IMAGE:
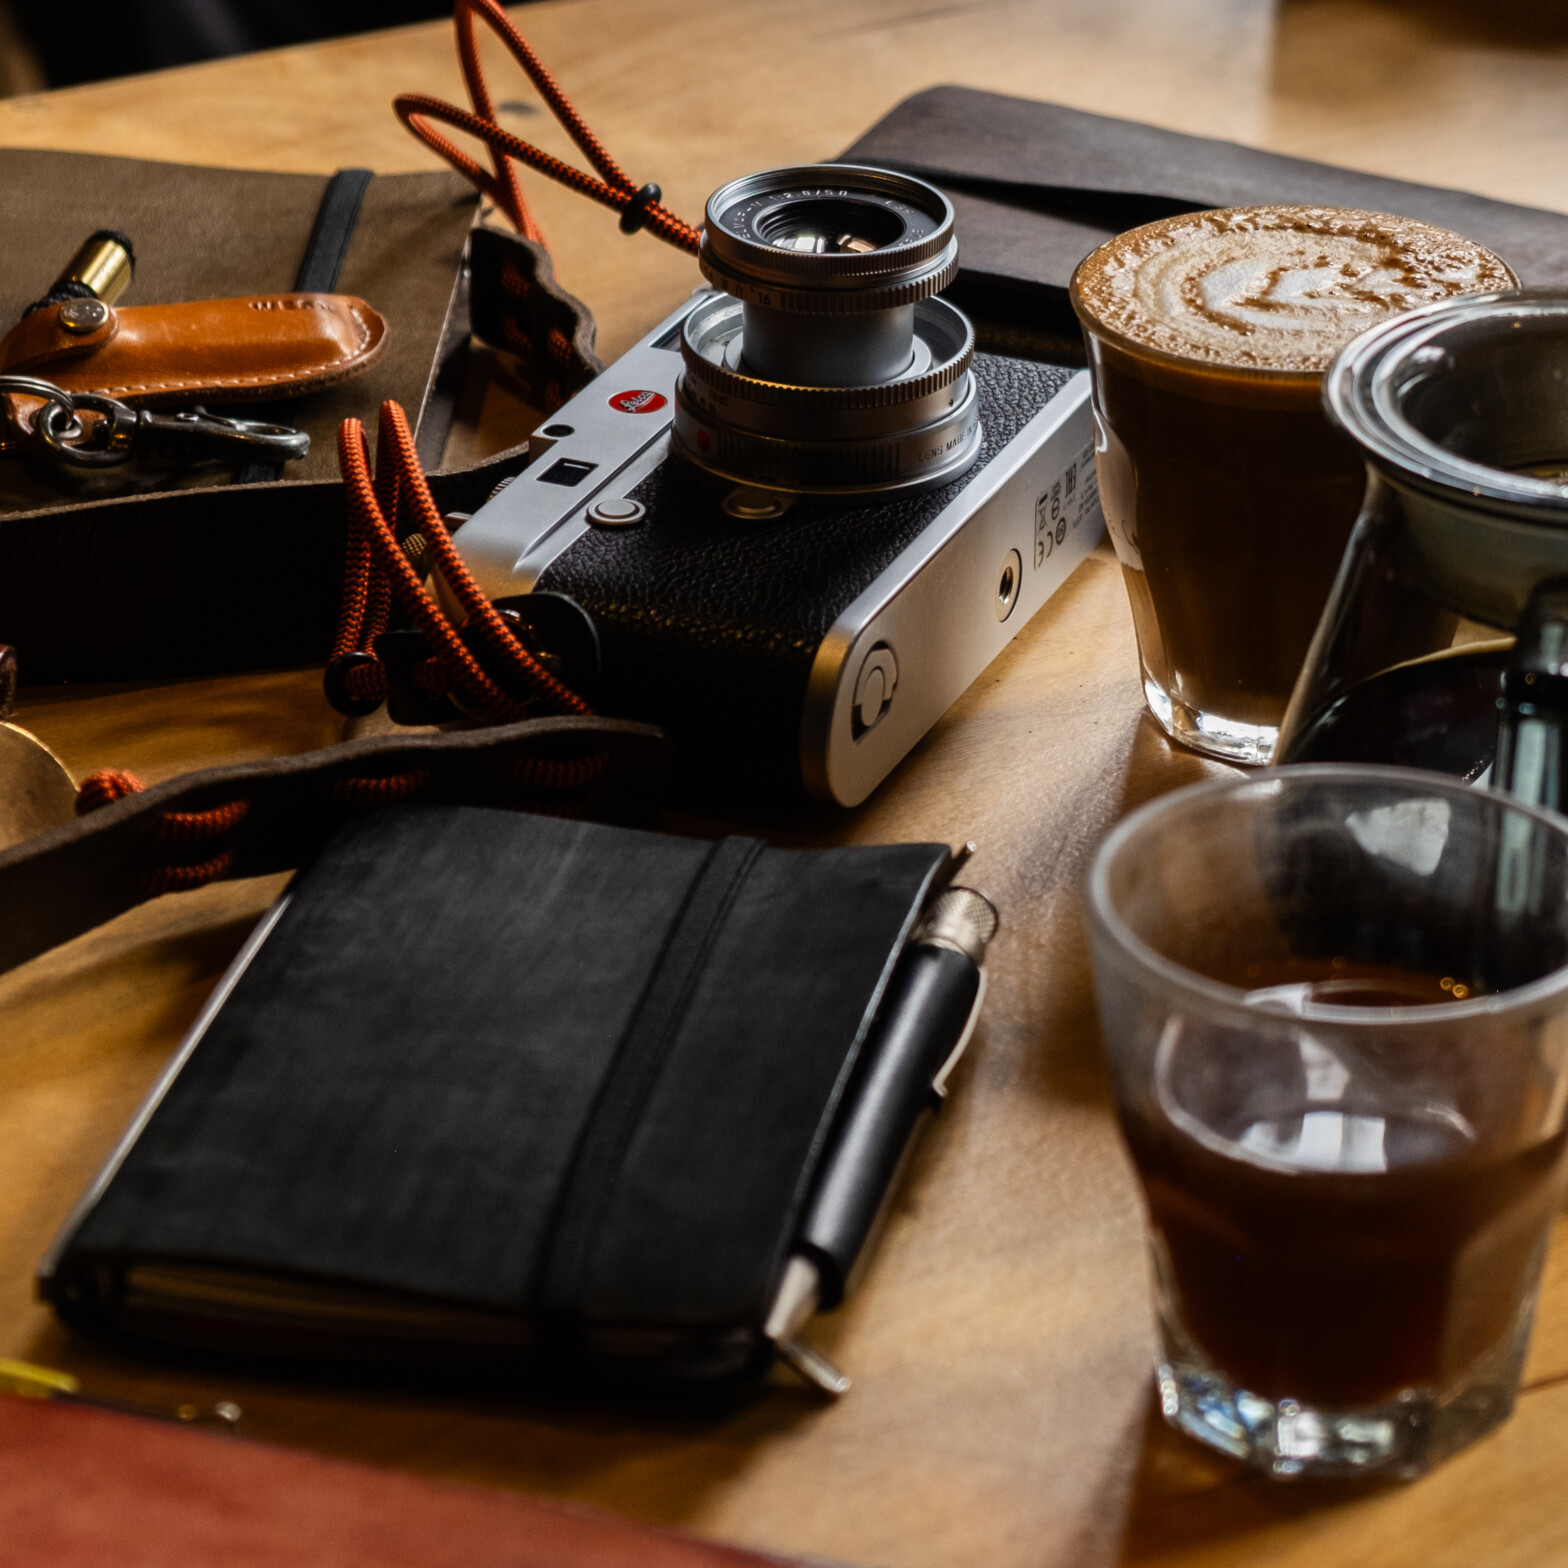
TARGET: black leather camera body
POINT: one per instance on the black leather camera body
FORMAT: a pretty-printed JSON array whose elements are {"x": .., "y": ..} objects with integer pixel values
[{"x": 797, "y": 573}]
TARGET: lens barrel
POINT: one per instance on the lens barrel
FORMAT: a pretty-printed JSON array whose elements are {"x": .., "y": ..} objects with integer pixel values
[{"x": 831, "y": 369}]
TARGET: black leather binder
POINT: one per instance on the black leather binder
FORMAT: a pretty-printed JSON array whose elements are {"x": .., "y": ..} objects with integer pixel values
[
  {"x": 1037, "y": 186},
  {"x": 499, "y": 1087}
]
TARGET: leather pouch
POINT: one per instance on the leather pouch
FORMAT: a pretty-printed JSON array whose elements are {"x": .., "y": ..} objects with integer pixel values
[{"x": 510, "y": 1090}]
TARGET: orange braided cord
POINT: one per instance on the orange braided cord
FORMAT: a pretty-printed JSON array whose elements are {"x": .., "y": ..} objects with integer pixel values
[
  {"x": 440, "y": 549},
  {"x": 387, "y": 790},
  {"x": 518, "y": 339},
  {"x": 105, "y": 787},
  {"x": 357, "y": 571},
  {"x": 463, "y": 15},
  {"x": 189, "y": 827},
  {"x": 541, "y": 773},
  {"x": 509, "y": 194},
  {"x": 177, "y": 879},
  {"x": 614, "y": 189},
  {"x": 366, "y": 514},
  {"x": 400, "y": 482},
  {"x": 367, "y": 682}
]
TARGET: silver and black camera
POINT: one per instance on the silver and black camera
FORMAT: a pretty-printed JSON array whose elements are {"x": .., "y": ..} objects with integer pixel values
[{"x": 804, "y": 512}]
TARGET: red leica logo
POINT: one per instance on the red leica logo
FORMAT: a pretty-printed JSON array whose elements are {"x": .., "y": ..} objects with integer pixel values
[{"x": 638, "y": 402}]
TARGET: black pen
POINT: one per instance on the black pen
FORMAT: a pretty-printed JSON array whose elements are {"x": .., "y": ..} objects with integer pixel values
[{"x": 922, "y": 1028}]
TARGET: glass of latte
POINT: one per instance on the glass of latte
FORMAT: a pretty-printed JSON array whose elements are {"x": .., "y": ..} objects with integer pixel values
[{"x": 1228, "y": 497}]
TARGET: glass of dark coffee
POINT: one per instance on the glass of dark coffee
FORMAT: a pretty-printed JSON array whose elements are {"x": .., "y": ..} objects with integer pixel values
[
  {"x": 1335, "y": 1004},
  {"x": 1226, "y": 493}
]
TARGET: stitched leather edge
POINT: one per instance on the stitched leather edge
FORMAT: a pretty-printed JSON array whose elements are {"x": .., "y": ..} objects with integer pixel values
[
  {"x": 371, "y": 330},
  {"x": 371, "y": 340}
]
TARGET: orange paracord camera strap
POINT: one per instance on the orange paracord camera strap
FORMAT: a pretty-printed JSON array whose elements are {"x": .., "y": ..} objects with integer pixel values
[{"x": 510, "y": 683}]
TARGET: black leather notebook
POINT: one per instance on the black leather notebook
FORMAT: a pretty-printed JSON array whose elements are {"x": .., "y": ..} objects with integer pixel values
[{"x": 486, "y": 1082}]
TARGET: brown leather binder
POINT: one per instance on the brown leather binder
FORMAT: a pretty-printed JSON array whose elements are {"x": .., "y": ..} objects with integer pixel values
[{"x": 91, "y": 1489}]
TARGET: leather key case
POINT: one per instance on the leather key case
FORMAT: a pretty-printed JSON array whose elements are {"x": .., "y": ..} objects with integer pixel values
[{"x": 228, "y": 350}]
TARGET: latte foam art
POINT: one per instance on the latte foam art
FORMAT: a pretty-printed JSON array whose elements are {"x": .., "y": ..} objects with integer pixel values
[{"x": 1275, "y": 288}]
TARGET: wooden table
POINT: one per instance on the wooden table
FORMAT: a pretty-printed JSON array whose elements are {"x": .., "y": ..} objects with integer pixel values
[{"x": 1001, "y": 1412}]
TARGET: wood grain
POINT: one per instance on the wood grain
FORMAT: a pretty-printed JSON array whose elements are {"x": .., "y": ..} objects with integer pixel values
[{"x": 1000, "y": 1347}]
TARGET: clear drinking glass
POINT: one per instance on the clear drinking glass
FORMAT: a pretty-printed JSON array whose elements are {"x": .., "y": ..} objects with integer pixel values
[
  {"x": 1227, "y": 494},
  {"x": 1336, "y": 1011}
]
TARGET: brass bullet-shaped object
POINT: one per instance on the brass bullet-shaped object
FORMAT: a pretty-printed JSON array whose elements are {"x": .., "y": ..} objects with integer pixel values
[{"x": 103, "y": 266}]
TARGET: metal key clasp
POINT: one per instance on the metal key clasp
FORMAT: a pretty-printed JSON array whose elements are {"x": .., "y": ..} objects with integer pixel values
[
  {"x": 195, "y": 436},
  {"x": 121, "y": 433}
]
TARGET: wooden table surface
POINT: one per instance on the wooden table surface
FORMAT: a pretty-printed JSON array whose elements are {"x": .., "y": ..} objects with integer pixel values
[{"x": 1001, "y": 1412}]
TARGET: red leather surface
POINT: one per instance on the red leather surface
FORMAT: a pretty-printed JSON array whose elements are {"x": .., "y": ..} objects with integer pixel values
[{"x": 83, "y": 1488}]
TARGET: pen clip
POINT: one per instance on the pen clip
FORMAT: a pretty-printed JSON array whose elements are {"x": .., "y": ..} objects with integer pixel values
[{"x": 939, "y": 1082}]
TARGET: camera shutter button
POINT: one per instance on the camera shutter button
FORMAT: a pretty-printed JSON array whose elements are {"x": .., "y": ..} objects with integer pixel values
[
  {"x": 622, "y": 512},
  {"x": 874, "y": 688}
]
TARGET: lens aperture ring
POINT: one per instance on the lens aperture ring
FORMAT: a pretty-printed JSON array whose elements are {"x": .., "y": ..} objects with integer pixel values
[{"x": 852, "y": 297}]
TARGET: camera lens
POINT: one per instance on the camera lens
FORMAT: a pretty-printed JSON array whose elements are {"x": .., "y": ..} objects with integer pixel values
[
  {"x": 832, "y": 367},
  {"x": 825, "y": 226},
  {"x": 829, "y": 238}
]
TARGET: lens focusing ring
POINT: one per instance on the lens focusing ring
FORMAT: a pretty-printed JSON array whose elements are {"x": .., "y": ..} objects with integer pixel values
[
  {"x": 900, "y": 242},
  {"x": 946, "y": 332},
  {"x": 907, "y": 434},
  {"x": 898, "y": 462}
]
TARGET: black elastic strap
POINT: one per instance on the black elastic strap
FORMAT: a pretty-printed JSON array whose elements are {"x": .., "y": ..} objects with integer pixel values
[
  {"x": 322, "y": 264},
  {"x": 336, "y": 219},
  {"x": 627, "y": 1086}
]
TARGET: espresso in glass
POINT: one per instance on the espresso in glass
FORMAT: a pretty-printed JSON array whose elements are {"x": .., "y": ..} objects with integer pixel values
[
  {"x": 1334, "y": 1002},
  {"x": 1226, "y": 493}
]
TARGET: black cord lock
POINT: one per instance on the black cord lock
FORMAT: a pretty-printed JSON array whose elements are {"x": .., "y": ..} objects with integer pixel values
[
  {"x": 334, "y": 683},
  {"x": 636, "y": 212}
]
